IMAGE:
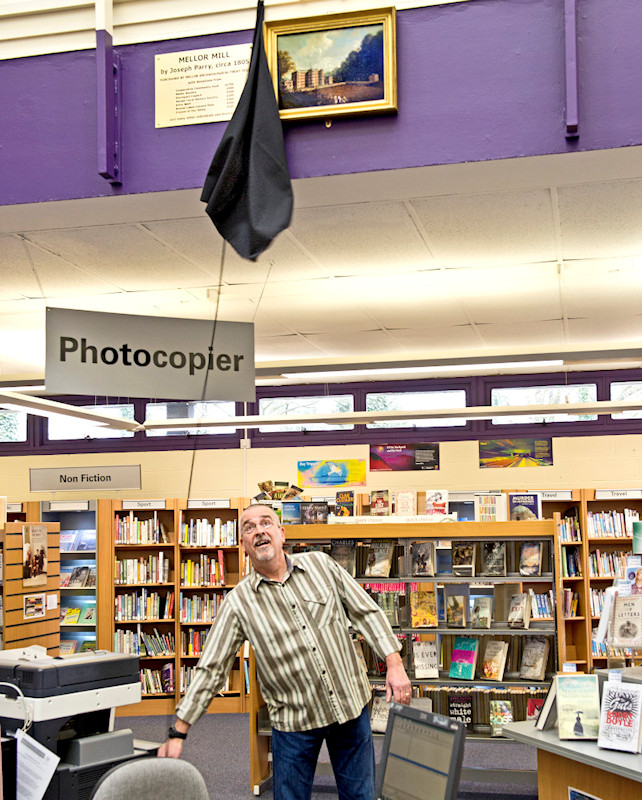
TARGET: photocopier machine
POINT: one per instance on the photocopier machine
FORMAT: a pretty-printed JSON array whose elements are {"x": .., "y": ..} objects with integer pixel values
[{"x": 70, "y": 701}]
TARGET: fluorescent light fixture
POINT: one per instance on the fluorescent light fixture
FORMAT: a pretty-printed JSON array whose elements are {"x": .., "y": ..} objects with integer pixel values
[
  {"x": 365, "y": 372},
  {"x": 22, "y": 386},
  {"x": 15, "y": 401}
]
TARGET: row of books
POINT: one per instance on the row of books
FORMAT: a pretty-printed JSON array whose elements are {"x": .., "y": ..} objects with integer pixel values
[
  {"x": 132, "y": 530},
  {"x": 570, "y": 603},
  {"x": 78, "y": 615},
  {"x": 144, "y": 605},
  {"x": 569, "y": 529},
  {"x": 573, "y": 703},
  {"x": 514, "y": 659},
  {"x": 200, "y": 607},
  {"x": 611, "y": 524},
  {"x": 81, "y": 541},
  {"x": 143, "y": 644},
  {"x": 187, "y": 675},
  {"x": 205, "y": 533},
  {"x": 606, "y": 565},
  {"x": 571, "y": 562},
  {"x": 209, "y": 570},
  {"x": 464, "y": 657},
  {"x": 193, "y": 641},
  {"x": 69, "y": 646},
  {"x": 158, "y": 681},
  {"x": 151, "y": 568},
  {"x": 77, "y": 577},
  {"x": 597, "y": 602}
]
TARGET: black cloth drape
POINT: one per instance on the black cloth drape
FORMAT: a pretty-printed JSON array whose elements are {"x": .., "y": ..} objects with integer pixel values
[{"x": 247, "y": 189}]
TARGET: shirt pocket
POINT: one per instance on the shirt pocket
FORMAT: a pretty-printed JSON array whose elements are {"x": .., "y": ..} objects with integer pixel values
[{"x": 321, "y": 605}]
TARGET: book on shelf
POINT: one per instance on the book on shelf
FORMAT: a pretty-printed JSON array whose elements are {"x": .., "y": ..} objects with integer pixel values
[
  {"x": 380, "y": 502},
  {"x": 78, "y": 577},
  {"x": 423, "y": 608},
  {"x": 534, "y": 658},
  {"x": 436, "y": 503},
  {"x": 291, "y": 512},
  {"x": 406, "y": 503},
  {"x": 493, "y": 557},
  {"x": 456, "y": 611},
  {"x": 425, "y": 657},
  {"x": 85, "y": 540},
  {"x": 65, "y": 576},
  {"x": 533, "y": 708},
  {"x": 548, "y": 715},
  {"x": 494, "y": 660},
  {"x": 490, "y": 507},
  {"x": 620, "y": 727},
  {"x": 72, "y": 615},
  {"x": 344, "y": 552},
  {"x": 460, "y": 707},
  {"x": 91, "y": 578},
  {"x": 67, "y": 539},
  {"x": 482, "y": 612},
  {"x": 524, "y": 506},
  {"x": 464, "y": 658},
  {"x": 314, "y": 513},
  {"x": 530, "y": 559},
  {"x": 501, "y": 713},
  {"x": 578, "y": 706},
  {"x": 463, "y": 559},
  {"x": 422, "y": 557},
  {"x": 519, "y": 613},
  {"x": 344, "y": 504},
  {"x": 379, "y": 559},
  {"x": 379, "y": 714},
  {"x": 68, "y": 646},
  {"x": 87, "y": 615},
  {"x": 627, "y": 621}
]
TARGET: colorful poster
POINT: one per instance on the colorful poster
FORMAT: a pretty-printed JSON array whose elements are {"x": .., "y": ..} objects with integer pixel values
[
  {"x": 498, "y": 453},
  {"x": 33, "y": 606},
  {"x": 404, "y": 457},
  {"x": 34, "y": 555},
  {"x": 334, "y": 474}
]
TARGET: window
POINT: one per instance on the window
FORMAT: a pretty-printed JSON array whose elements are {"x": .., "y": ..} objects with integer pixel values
[
  {"x": 414, "y": 401},
  {"x": 321, "y": 406},
  {"x": 13, "y": 426},
  {"x": 531, "y": 395},
  {"x": 195, "y": 410},
  {"x": 60, "y": 427},
  {"x": 626, "y": 390}
]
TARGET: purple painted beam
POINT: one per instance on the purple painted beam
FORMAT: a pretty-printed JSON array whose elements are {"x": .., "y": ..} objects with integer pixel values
[
  {"x": 570, "y": 49},
  {"x": 108, "y": 108}
]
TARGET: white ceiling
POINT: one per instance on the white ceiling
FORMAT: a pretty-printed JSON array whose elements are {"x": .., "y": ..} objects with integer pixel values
[{"x": 521, "y": 255}]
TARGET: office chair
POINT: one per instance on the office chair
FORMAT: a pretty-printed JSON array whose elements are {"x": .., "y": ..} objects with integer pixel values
[{"x": 152, "y": 779}]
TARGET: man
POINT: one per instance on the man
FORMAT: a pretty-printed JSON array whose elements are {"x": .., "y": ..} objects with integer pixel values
[{"x": 295, "y": 610}]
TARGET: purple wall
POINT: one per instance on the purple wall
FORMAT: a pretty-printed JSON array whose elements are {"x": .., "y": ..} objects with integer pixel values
[{"x": 477, "y": 81}]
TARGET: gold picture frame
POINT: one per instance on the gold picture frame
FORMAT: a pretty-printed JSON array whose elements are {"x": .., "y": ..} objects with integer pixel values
[{"x": 334, "y": 65}]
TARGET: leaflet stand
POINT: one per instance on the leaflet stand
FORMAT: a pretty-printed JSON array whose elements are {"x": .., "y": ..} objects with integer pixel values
[{"x": 617, "y": 655}]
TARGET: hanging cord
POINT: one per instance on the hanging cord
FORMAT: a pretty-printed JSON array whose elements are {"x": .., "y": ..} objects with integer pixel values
[
  {"x": 28, "y": 711},
  {"x": 204, "y": 392}
]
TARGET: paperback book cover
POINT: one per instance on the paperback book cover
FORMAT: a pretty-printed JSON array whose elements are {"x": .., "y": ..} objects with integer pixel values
[
  {"x": 530, "y": 559},
  {"x": 65, "y": 576},
  {"x": 290, "y": 513},
  {"x": 87, "y": 615},
  {"x": 425, "y": 656},
  {"x": 379, "y": 714},
  {"x": 463, "y": 559},
  {"x": 314, "y": 513},
  {"x": 620, "y": 717},
  {"x": 464, "y": 658},
  {"x": 85, "y": 540},
  {"x": 501, "y": 713},
  {"x": 67, "y": 539},
  {"x": 456, "y": 611},
  {"x": 533, "y": 708},
  {"x": 490, "y": 507},
  {"x": 344, "y": 552},
  {"x": 423, "y": 609},
  {"x": 72, "y": 615},
  {"x": 344, "y": 505},
  {"x": 379, "y": 559},
  {"x": 91, "y": 578},
  {"x": 406, "y": 503},
  {"x": 627, "y": 621},
  {"x": 534, "y": 658},
  {"x": 422, "y": 555},
  {"x": 436, "y": 502},
  {"x": 380, "y": 502},
  {"x": 460, "y": 707},
  {"x": 519, "y": 613},
  {"x": 494, "y": 660},
  {"x": 78, "y": 577},
  {"x": 494, "y": 559},
  {"x": 548, "y": 715},
  {"x": 524, "y": 505},
  {"x": 482, "y": 612},
  {"x": 578, "y": 706},
  {"x": 67, "y": 647}
]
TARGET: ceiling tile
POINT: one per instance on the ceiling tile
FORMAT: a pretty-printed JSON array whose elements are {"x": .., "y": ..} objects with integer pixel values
[{"x": 531, "y": 335}]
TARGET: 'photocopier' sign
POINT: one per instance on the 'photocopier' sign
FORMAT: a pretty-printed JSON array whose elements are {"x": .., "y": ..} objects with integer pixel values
[{"x": 133, "y": 356}]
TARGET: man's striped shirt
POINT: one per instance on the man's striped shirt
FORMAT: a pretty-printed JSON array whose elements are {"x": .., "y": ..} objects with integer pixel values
[{"x": 308, "y": 669}]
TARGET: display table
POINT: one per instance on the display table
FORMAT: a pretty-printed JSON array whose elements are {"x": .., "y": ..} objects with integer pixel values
[{"x": 606, "y": 774}]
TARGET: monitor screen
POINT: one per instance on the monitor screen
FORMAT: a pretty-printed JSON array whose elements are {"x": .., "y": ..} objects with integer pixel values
[{"x": 422, "y": 756}]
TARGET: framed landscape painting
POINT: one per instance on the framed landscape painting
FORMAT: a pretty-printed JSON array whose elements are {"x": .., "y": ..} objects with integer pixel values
[{"x": 338, "y": 64}]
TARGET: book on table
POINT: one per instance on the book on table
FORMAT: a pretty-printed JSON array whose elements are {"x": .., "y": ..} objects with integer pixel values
[
  {"x": 627, "y": 621},
  {"x": 620, "y": 727},
  {"x": 578, "y": 706},
  {"x": 464, "y": 658},
  {"x": 548, "y": 715}
]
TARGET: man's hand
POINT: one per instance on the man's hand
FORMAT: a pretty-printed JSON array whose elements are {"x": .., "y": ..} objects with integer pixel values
[
  {"x": 173, "y": 747},
  {"x": 398, "y": 686}
]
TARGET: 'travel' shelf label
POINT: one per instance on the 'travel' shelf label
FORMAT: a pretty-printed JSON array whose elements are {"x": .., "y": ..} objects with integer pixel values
[
  {"x": 557, "y": 494},
  {"x": 618, "y": 494}
]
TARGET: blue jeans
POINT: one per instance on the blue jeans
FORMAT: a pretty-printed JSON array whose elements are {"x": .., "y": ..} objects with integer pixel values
[{"x": 295, "y": 754}]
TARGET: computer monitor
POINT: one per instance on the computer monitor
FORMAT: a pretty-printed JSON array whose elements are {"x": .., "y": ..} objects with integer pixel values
[{"x": 421, "y": 757}]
